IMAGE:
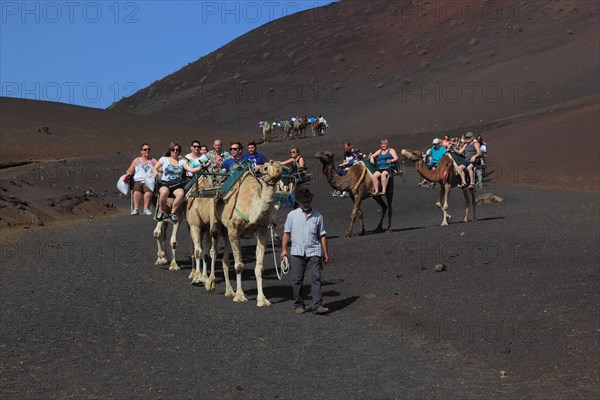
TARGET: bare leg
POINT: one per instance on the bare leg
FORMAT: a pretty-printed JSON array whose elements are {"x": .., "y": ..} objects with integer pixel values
[
  {"x": 179, "y": 194},
  {"x": 137, "y": 196},
  {"x": 147, "y": 199},
  {"x": 384, "y": 180},
  {"x": 162, "y": 200},
  {"x": 375, "y": 179}
]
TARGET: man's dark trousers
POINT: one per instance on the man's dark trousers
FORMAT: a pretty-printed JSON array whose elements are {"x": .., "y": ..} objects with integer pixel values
[{"x": 300, "y": 265}]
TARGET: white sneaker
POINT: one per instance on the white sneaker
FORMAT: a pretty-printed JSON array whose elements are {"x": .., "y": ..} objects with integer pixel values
[
  {"x": 147, "y": 211},
  {"x": 135, "y": 212}
]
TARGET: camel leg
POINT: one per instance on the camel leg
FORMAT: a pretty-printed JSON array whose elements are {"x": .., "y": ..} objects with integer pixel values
[
  {"x": 384, "y": 208},
  {"x": 160, "y": 234},
  {"x": 466, "y": 194},
  {"x": 261, "y": 244},
  {"x": 205, "y": 254},
  {"x": 362, "y": 222},
  {"x": 389, "y": 197},
  {"x": 355, "y": 210},
  {"x": 196, "y": 274},
  {"x": 239, "y": 267},
  {"x": 173, "y": 265},
  {"x": 447, "y": 188},
  {"x": 209, "y": 281},
  {"x": 473, "y": 203},
  {"x": 438, "y": 204},
  {"x": 228, "y": 288}
]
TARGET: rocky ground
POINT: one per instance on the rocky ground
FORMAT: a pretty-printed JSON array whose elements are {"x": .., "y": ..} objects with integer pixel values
[{"x": 85, "y": 313}]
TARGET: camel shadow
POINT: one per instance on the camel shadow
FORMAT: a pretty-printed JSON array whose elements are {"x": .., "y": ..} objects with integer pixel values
[
  {"x": 489, "y": 218},
  {"x": 478, "y": 220},
  {"x": 383, "y": 231}
]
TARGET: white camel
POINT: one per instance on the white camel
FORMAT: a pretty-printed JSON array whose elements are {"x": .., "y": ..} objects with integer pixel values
[
  {"x": 160, "y": 234},
  {"x": 246, "y": 209},
  {"x": 198, "y": 218}
]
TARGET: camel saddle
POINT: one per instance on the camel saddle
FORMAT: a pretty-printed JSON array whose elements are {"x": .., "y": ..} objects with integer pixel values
[{"x": 223, "y": 183}]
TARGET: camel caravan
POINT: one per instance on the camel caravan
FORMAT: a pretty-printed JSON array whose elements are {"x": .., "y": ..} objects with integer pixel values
[
  {"x": 242, "y": 202},
  {"x": 295, "y": 127}
]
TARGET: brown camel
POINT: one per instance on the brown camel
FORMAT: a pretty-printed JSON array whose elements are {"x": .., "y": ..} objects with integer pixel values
[
  {"x": 315, "y": 128},
  {"x": 359, "y": 186},
  {"x": 246, "y": 209},
  {"x": 287, "y": 128},
  {"x": 300, "y": 127},
  {"x": 447, "y": 176}
]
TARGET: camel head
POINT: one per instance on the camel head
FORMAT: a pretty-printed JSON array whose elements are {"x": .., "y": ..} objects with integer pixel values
[
  {"x": 326, "y": 157},
  {"x": 271, "y": 172},
  {"x": 413, "y": 155}
]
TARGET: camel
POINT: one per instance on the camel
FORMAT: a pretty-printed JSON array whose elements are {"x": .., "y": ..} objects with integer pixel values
[
  {"x": 266, "y": 131},
  {"x": 160, "y": 234},
  {"x": 316, "y": 128},
  {"x": 246, "y": 209},
  {"x": 198, "y": 218},
  {"x": 359, "y": 187},
  {"x": 447, "y": 176},
  {"x": 300, "y": 127},
  {"x": 287, "y": 128}
]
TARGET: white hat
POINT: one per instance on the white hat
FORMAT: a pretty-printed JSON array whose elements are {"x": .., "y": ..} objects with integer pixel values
[{"x": 436, "y": 141}]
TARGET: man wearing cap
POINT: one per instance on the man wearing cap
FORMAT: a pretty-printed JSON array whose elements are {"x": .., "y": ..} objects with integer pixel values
[
  {"x": 304, "y": 227},
  {"x": 472, "y": 153},
  {"x": 436, "y": 153}
]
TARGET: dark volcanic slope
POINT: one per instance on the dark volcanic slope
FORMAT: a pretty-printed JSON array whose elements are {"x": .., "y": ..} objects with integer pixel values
[{"x": 383, "y": 65}]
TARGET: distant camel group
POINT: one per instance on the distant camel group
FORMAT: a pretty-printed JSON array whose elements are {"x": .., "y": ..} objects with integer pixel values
[{"x": 296, "y": 127}]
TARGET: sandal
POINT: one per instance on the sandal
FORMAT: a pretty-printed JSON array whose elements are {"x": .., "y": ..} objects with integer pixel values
[
  {"x": 471, "y": 186},
  {"x": 462, "y": 185}
]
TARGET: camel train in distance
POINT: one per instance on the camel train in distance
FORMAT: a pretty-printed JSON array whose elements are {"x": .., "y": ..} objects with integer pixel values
[
  {"x": 248, "y": 208},
  {"x": 295, "y": 127}
]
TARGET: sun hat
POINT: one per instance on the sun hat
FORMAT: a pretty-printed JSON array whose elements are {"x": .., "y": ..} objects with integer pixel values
[
  {"x": 436, "y": 141},
  {"x": 469, "y": 134},
  {"x": 304, "y": 195}
]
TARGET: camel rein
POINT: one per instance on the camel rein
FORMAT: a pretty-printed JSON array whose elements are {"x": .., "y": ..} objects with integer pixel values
[
  {"x": 362, "y": 175},
  {"x": 285, "y": 265}
]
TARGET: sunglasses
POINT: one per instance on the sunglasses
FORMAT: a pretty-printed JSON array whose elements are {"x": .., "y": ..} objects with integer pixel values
[
  {"x": 177, "y": 150},
  {"x": 147, "y": 149},
  {"x": 234, "y": 148},
  {"x": 195, "y": 146}
]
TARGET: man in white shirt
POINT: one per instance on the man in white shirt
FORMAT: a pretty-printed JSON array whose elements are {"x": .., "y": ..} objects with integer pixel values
[{"x": 304, "y": 227}]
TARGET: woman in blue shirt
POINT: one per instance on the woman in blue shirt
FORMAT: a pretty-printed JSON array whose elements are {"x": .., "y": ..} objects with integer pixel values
[{"x": 384, "y": 159}]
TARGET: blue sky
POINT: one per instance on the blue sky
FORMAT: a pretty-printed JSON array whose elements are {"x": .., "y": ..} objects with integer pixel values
[{"x": 92, "y": 53}]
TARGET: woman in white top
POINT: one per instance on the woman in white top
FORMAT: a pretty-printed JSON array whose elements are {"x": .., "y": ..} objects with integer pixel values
[
  {"x": 195, "y": 157},
  {"x": 141, "y": 169},
  {"x": 172, "y": 180}
]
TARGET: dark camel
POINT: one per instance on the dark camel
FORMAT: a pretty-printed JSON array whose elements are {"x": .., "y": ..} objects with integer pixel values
[
  {"x": 359, "y": 186},
  {"x": 447, "y": 176}
]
